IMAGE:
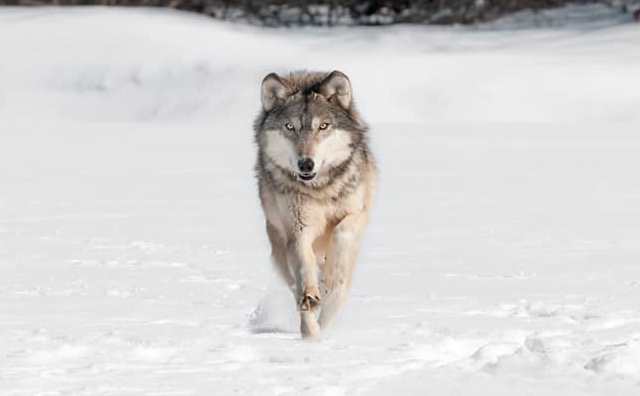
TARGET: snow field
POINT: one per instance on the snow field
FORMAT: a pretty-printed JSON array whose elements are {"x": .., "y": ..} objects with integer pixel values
[{"x": 502, "y": 257}]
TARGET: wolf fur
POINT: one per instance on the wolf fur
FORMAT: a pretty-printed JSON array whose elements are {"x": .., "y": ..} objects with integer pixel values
[{"x": 315, "y": 218}]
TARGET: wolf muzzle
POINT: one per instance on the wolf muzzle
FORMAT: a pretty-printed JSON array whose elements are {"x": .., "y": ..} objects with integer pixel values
[{"x": 306, "y": 165}]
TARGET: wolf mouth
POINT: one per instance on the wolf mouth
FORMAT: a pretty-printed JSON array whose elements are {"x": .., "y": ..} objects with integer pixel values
[{"x": 306, "y": 176}]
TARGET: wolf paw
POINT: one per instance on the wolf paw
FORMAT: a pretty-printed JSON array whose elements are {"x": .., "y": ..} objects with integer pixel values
[{"x": 310, "y": 298}]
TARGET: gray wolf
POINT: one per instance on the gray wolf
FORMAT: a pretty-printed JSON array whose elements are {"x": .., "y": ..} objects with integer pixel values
[{"x": 316, "y": 180}]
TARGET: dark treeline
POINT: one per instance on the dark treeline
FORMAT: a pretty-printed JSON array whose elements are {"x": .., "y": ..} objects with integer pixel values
[{"x": 341, "y": 12}]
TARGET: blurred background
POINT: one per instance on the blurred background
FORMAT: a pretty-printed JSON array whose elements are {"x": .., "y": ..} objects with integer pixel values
[{"x": 350, "y": 12}]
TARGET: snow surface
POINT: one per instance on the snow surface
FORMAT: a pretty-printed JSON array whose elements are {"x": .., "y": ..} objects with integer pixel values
[{"x": 503, "y": 257}]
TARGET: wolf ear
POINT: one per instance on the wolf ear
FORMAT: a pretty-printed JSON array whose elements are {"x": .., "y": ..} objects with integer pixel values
[
  {"x": 273, "y": 91},
  {"x": 337, "y": 86}
]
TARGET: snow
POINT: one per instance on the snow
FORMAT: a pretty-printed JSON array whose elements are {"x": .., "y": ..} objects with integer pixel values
[{"x": 502, "y": 257}]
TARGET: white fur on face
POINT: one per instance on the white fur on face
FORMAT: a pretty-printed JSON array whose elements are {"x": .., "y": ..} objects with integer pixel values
[
  {"x": 280, "y": 149},
  {"x": 333, "y": 150}
]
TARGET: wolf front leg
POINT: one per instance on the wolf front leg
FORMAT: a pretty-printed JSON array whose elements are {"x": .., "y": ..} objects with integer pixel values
[
  {"x": 340, "y": 264},
  {"x": 301, "y": 253},
  {"x": 279, "y": 256}
]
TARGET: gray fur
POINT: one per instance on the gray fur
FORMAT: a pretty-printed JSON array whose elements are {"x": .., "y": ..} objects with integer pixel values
[
  {"x": 314, "y": 225},
  {"x": 299, "y": 96}
]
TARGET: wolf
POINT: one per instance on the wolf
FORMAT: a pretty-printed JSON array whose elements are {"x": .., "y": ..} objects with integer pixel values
[{"x": 316, "y": 181}]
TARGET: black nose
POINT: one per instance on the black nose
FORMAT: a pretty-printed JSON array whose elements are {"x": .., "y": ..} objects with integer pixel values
[{"x": 305, "y": 165}]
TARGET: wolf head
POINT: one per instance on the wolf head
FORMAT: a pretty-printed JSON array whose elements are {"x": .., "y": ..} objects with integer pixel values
[{"x": 308, "y": 127}]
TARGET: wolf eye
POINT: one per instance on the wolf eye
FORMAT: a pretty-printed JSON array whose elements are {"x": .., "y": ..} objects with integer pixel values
[
  {"x": 324, "y": 126},
  {"x": 289, "y": 126}
]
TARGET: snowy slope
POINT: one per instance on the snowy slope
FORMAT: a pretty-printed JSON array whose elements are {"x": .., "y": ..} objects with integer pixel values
[{"x": 503, "y": 255}]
